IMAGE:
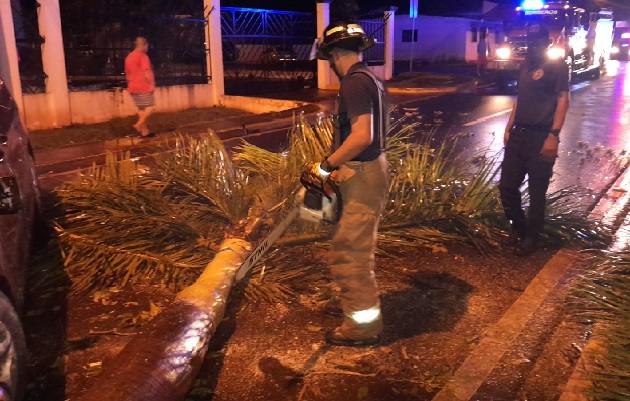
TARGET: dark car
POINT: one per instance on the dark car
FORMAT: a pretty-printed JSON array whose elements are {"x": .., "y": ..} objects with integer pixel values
[
  {"x": 621, "y": 46},
  {"x": 19, "y": 205},
  {"x": 275, "y": 54}
]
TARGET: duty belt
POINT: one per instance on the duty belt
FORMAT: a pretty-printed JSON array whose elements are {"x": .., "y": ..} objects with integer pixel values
[{"x": 522, "y": 128}]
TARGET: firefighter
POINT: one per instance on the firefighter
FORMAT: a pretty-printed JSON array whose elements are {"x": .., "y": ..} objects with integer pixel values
[
  {"x": 531, "y": 139},
  {"x": 360, "y": 168}
]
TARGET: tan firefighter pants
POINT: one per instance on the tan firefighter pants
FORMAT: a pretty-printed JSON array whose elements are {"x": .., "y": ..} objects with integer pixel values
[{"x": 364, "y": 191}]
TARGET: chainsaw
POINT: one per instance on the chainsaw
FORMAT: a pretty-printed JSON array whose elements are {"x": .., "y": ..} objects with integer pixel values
[{"x": 314, "y": 203}]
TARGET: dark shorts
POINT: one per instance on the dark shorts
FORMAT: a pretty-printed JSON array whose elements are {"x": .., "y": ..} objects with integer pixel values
[{"x": 143, "y": 100}]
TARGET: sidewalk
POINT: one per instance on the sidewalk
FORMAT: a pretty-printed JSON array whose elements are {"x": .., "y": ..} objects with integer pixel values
[{"x": 414, "y": 84}]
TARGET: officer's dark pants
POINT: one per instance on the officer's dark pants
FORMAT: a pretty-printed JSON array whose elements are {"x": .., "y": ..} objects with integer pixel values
[{"x": 522, "y": 157}]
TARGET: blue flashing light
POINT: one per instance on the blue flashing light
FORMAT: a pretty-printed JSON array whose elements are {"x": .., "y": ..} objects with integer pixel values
[
  {"x": 262, "y": 10},
  {"x": 532, "y": 5}
]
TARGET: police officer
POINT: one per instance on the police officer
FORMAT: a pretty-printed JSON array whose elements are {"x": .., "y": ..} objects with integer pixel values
[
  {"x": 532, "y": 137},
  {"x": 362, "y": 173}
]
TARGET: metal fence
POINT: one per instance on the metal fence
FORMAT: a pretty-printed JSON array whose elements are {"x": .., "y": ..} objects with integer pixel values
[
  {"x": 28, "y": 43},
  {"x": 374, "y": 24},
  {"x": 98, "y": 35},
  {"x": 258, "y": 45},
  {"x": 267, "y": 45}
]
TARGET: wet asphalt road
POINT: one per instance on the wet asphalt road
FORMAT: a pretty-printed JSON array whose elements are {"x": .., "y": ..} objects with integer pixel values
[
  {"x": 596, "y": 131},
  {"x": 595, "y": 134}
]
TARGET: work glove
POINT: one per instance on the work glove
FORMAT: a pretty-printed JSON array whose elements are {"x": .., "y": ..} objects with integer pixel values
[{"x": 314, "y": 175}]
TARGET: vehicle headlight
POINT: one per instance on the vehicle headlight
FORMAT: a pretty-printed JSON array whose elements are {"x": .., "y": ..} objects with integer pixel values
[
  {"x": 614, "y": 50},
  {"x": 504, "y": 53},
  {"x": 555, "y": 53}
]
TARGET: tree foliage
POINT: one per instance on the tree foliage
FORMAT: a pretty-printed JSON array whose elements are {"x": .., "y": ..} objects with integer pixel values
[{"x": 127, "y": 222}]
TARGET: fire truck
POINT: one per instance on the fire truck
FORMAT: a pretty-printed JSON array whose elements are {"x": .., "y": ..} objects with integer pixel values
[{"x": 582, "y": 39}]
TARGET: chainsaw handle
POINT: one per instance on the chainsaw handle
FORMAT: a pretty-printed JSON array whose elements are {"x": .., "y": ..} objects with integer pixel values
[
  {"x": 321, "y": 189},
  {"x": 333, "y": 185}
]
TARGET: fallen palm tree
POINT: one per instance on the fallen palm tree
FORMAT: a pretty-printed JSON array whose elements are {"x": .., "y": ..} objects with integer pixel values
[{"x": 127, "y": 223}]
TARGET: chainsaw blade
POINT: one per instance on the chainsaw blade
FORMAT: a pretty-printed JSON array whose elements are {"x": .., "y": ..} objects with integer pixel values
[{"x": 266, "y": 243}]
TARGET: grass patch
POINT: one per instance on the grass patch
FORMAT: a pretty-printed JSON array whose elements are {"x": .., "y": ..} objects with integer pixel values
[
  {"x": 602, "y": 297},
  {"x": 122, "y": 127}
]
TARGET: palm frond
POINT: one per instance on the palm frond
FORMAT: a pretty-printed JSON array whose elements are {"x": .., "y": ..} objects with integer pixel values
[
  {"x": 123, "y": 224},
  {"x": 602, "y": 296},
  {"x": 202, "y": 168},
  {"x": 126, "y": 222},
  {"x": 276, "y": 175}
]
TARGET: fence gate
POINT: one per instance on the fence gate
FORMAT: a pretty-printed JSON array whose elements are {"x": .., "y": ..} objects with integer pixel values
[
  {"x": 29, "y": 45},
  {"x": 98, "y": 35},
  {"x": 267, "y": 48},
  {"x": 374, "y": 25}
]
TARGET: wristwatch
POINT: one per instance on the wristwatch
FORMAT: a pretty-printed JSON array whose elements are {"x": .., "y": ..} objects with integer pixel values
[{"x": 555, "y": 132}]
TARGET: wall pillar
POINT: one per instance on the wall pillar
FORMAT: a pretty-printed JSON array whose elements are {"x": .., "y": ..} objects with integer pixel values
[
  {"x": 214, "y": 56},
  {"x": 323, "y": 67},
  {"x": 54, "y": 62},
  {"x": 9, "y": 67},
  {"x": 390, "y": 18}
]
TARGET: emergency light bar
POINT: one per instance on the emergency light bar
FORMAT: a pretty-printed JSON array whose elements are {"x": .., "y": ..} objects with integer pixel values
[{"x": 530, "y": 5}]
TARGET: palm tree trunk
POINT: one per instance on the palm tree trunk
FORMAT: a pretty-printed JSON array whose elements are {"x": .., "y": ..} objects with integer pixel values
[{"x": 161, "y": 362}]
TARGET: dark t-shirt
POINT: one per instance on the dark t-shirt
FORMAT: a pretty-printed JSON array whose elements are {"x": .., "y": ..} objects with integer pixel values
[
  {"x": 358, "y": 95},
  {"x": 538, "y": 90}
]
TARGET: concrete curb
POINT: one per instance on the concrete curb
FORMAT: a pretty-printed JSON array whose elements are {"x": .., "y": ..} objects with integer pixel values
[
  {"x": 225, "y": 129},
  {"x": 579, "y": 383},
  {"x": 220, "y": 127},
  {"x": 466, "y": 86},
  {"x": 272, "y": 119}
]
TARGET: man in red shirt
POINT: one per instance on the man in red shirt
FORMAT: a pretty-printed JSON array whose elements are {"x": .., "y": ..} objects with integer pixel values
[{"x": 141, "y": 84}]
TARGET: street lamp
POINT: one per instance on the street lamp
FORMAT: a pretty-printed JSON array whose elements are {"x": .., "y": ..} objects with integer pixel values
[{"x": 413, "y": 14}]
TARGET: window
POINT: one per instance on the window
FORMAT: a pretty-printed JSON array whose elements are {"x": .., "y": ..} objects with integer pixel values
[{"x": 407, "y": 35}]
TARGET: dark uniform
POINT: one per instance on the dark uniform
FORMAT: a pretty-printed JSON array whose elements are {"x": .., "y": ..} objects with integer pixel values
[{"x": 539, "y": 85}]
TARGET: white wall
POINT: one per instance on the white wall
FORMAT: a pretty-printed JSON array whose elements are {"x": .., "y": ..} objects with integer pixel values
[
  {"x": 380, "y": 71},
  {"x": 439, "y": 38},
  {"x": 100, "y": 106},
  {"x": 471, "y": 47},
  {"x": 259, "y": 105}
]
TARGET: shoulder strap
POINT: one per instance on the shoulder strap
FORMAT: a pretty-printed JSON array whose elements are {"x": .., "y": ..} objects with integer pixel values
[{"x": 380, "y": 122}]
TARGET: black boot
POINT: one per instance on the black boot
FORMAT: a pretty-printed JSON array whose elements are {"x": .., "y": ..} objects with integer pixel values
[
  {"x": 515, "y": 238},
  {"x": 527, "y": 247}
]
